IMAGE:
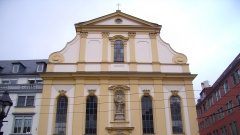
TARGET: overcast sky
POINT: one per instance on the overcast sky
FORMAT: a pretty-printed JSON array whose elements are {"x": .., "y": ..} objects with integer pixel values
[{"x": 206, "y": 31}]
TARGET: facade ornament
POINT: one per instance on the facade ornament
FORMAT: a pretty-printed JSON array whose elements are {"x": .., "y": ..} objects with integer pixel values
[
  {"x": 174, "y": 92},
  {"x": 105, "y": 34},
  {"x": 56, "y": 57},
  {"x": 119, "y": 101},
  {"x": 121, "y": 87},
  {"x": 91, "y": 92},
  {"x": 62, "y": 92},
  {"x": 131, "y": 34},
  {"x": 119, "y": 132},
  {"x": 180, "y": 59},
  {"x": 83, "y": 34},
  {"x": 118, "y": 37},
  {"x": 146, "y": 92},
  {"x": 152, "y": 35}
]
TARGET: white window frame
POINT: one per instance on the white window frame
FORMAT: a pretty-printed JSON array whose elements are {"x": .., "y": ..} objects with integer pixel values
[
  {"x": 225, "y": 87},
  {"x": 23, "y": 118},
  {"x": 40, "y": 67},
  {"x": 229, "y": 106},
  {"x": 25, "y": 100},
  {"x": 210, "y": 102},
  {"x": 218, "y": 95},
  {"x": 15, "y": 68}
]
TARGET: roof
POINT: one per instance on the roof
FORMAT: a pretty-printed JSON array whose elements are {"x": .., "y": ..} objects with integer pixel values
[
  {"x": 30, "y": 66},
  {"x": 83, "y": 26}
]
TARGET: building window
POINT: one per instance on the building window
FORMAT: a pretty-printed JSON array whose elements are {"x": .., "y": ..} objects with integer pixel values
[
  {"x": 217, "y": 95},
  {"x": 9, "y": 81},
  {"x": 207, "y": 122},
  {"x": 40, "y": 67},
  {"x": 61, "y": 115},
  {"x": 230, "y": 108},
  {"x": 234, "y": 128},
  {"x": 15, "y": 68},
  {"x": 224, "y": 130},
  {"x": 147, "y": 115},
  {"x": 236, "y": 77},
  {"x": 176, "y": 115},
  {"x": 213, "y": 118},
  {"x": 209, "y": 134},
  {"x": 204, "y": 107},
  {"x": 35, "y": 81},
  {"x": 25, "y": 100},
  {"x": 238, "y": 100},
  {"x": 199, "y": 111},
  {"x": 225, "y": 87},
  {"x": 215, "y": 132},
  {"x": 220, "y": 113},
  {"x": 202, "y": 125},
  {"x": 22, "y": 124},
  {"x": 210, "y": 101},
  {"x": 91, "y": 115},
  {"x": 118, "y": 51}
]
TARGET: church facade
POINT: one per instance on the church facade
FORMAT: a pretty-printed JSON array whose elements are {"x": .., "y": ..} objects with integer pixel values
[{"x": 117, "y": 77}]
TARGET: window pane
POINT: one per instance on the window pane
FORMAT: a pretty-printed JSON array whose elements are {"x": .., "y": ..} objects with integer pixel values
[
  {"x": 21, "y": 100},
  {"x": 30, "y": 101},
  {"x": 61, "y": 116},
  {"x": 91, "y": 115},
  {"x": 118, "y": 51},
  {"x": 147, "y": 115},
  {"x": 176, "y": 115}
]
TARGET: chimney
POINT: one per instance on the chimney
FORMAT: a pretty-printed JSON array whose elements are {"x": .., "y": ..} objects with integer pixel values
[{"x": 205, "y": 84}]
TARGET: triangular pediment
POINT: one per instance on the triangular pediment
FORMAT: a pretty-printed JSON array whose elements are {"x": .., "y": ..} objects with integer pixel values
[{"x": 117, "y": 18}]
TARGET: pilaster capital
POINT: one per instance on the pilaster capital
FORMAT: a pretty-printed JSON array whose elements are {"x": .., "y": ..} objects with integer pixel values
[
  {"x": 131, "y": 34},
  {"x": 83, "y": 34},
  {"x": 105, "y": 34},
  {"x": 152, "y": 35}
]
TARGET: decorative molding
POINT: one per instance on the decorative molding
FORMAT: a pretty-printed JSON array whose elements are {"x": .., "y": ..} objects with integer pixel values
[
  {"x": 131, "y": 34},
  {"x": 152, "y": 35},
  {"x": 119, "y": 87},
  {"x": 116, "y": 129},
  {"x": 91, "y": 92},
  {"x": 118, "y": 37},
  {"x": 179, "y": 59},
  {"x": 105, "y": 34},
  {"x": 56, "y": 57},
  {"x": 62, "y": 92},
  {"x": 83, "y": 34},
  {"x": 174, "y": 92},
  {"x": 146, "y": 92}
]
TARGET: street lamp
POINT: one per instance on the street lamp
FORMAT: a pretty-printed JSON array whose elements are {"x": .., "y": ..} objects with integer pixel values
[{"x": 5, "y": 104}]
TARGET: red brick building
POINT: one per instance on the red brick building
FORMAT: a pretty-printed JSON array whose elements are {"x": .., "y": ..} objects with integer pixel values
[{"x": 218, "y": 108}]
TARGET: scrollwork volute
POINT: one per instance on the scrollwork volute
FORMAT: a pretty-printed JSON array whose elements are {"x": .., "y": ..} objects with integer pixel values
[
  {"x": 105, "y": 34},
  {"x": 131, "y": 34},
  {"x": 152, "y": 35},
  {"x": 56, "y": 58},
  {"x": 180, "y": 59},
  {"x": 83, "y": 34}
]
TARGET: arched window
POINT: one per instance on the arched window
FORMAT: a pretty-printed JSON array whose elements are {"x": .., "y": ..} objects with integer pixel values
[
  {"x": 147, "y": 115},
  {"x": 118, "y": 51},
  {"x": 91, "y": 115},
  {"x": 176, "y": 115},
  {"x": 61, "y": 115}
]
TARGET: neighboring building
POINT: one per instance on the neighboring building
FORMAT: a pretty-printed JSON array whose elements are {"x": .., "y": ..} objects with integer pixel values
[
  {"x": 219, "y": 107},
  {"x": 117, "y": 77},
  {"x": 21, "y": 79}
]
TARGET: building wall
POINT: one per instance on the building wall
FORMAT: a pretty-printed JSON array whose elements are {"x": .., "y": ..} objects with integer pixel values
[
  {"x": 150, "y": 67},
  {"x": 234, "y": 90}
]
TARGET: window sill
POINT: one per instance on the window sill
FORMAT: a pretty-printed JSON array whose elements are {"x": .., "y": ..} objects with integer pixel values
[
  {"x": 24, "y": 106},
  {"x": 19, "y": 134}
]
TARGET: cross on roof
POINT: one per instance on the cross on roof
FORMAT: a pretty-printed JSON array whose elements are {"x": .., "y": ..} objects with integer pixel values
[{"x": 118, "y": 5}]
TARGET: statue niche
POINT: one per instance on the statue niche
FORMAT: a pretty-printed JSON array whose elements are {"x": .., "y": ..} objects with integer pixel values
[{"x": 119, "y": 101}]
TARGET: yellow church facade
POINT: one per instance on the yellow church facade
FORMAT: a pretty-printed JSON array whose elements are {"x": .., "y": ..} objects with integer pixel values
[{"x": 117, "y": 77}]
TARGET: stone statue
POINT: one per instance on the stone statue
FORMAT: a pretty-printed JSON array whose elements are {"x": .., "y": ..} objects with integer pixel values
[{"x": 119, "y": 103}]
